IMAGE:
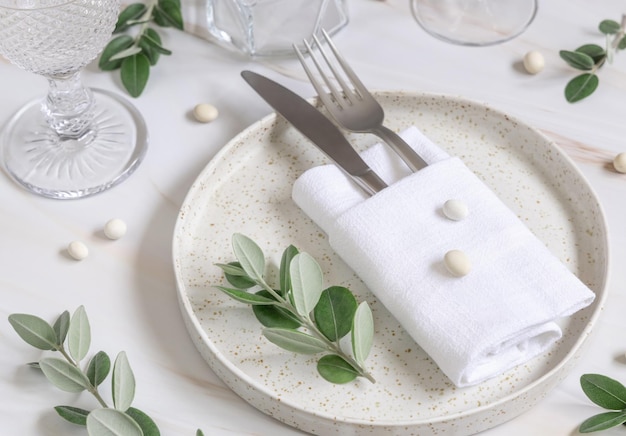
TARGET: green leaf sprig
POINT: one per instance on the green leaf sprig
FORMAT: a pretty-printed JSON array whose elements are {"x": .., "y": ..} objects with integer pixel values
[
  {"x": 301, "y": 316},
  {"x": 135, "y": 55},
  {"x": 591, "y": 57},
  {"x": 607, "y": 393},
  {"x": 71, "y": 337}
]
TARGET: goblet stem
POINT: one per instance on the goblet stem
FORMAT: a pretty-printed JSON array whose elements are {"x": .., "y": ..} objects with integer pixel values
[{"x": 69, "y": 107}]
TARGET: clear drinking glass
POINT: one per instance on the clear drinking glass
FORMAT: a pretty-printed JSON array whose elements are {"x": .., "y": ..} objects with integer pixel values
[
  {"x": 474, "y": 22},
  {"x": 77, "y": 141},
  {"x": 259, "y": 28}
]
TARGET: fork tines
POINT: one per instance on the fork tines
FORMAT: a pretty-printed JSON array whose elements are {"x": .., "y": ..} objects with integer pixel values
[
  {"x": 351, "y": 105},
  {"x": 347, "y": 80}
]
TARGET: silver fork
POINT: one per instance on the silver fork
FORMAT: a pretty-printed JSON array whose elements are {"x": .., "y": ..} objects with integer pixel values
[{"x": 353, "y": 107}]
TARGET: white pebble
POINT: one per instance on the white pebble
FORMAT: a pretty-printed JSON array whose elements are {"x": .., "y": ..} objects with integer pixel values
[
  {"x": 619, "y": 163},
  {"x": 115, "y": 228},
  {"x": 77, "y": 250},
  {"x": 205, "y": 113},
  {"x": 534, "y": 62},
  {"x": 456, "y": 210},
  {"x": 457, "y": 263}
]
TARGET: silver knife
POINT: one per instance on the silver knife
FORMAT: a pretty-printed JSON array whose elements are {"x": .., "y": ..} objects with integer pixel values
[{"x": 319, "y": 129}]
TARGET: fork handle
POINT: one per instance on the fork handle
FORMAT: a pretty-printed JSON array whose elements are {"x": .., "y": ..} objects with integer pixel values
[{"x": 399, "y": 145}]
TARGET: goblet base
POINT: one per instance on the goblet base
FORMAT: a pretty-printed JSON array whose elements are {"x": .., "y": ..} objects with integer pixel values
[{"x": 53, "y": 166}]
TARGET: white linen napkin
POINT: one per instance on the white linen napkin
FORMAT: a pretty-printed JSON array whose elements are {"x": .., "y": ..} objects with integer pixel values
[{"x": 474, "y": 327}]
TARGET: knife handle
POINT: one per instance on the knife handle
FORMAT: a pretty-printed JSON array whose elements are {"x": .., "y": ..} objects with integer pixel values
[{"x": 370, "y": 182}]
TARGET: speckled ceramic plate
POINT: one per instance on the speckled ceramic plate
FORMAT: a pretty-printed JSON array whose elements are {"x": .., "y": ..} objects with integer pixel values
[{"x": 246, "y": 188}]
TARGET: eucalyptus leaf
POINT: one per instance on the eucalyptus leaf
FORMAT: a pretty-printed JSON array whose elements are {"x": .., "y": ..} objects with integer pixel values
[
  {"x": 246, "y": 297},
  {"x": 580, "y": 87},
  {"x": 154, "y": 40},
  {"x": 306, "y": 282},
  {"x": 199, "y": 433},
  {"x": 285, "y": 260},
  {"x": 578, "y": 60},
  {"x": 168, "y": 13},
  {"x": 130, "y": 51},
  {"x": 116, "y": 45},
  {"x": 336, "y": 370},
  {"x": 273, "y": 315},
  {"x": 249, "y": 255},
  {"x": 362, "y": 332},
  {"x": 236, "y": 276},
  {"x": 602, "y": 421},
  {"x": 74, "y": 415},
  {"x": 34, "y": 331},
  {"x": 123, "y": 383},
  {"x": 334, "y": 312},
  {"x": 295, "y": 341},
  {"x": 150, "y": 35},
  {"x": 232, "y": 269},
  {"x": 604, "y": 391},
  {"x": 596, "y": 52},
  {"x": 63, "y": 375},
  {"x": 171, "y": 3},
  {"x": 79, "y": 334},
  {"x": 622, "y": 43},
  {"x": 149, "y": 52},
  {"x": 112, "y": 422},
  {"x": 131, "y": 12},
  {"x": 609, "y": 27},
  {"x": 148, "y": 426},
  {"x": 61, "y": 326},
  {"x": 98, "y": 369},
  {"x": 135, "y": 71}
]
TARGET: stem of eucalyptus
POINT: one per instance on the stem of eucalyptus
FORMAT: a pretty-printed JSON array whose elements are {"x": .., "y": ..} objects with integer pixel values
[
  {"x": 618, "y": 37},
  {"x": 310, "y": 325},
  {"x": 93, "y": 390},
  {"x": 144, "y": 20}
]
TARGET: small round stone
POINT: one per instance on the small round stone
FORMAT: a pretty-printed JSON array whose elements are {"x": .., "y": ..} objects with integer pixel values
[
  {"x": 115, "y": 228},
  {"x": 619, "y": 163},
  {"x": 205, "y": 113},
  {"x": 77, "y": 250},
  {"x": 457, "y": 263},
  {"x": 534, "y": 62},
  {"x": 455, "y": 210}
]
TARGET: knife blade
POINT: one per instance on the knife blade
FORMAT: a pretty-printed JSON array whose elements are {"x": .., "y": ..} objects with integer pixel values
[{"x": 317, "y": 128}]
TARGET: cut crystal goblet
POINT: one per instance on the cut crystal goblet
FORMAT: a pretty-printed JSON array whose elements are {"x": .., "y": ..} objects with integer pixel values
[{"x": 77, "y": 141}]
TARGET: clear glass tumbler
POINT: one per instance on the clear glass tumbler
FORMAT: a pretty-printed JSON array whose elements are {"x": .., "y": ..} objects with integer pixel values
[
  {"x": 76, "y": 141},
  {"x": 259, "y": 28},
  {"x": 474, "y": 22}
]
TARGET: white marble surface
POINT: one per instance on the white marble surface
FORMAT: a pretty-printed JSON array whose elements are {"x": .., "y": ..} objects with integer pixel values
[{"x": 128, "y": 286}]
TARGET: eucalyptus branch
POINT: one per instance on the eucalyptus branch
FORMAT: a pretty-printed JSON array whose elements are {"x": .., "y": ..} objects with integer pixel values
[
  {"x": 135, "y": 55},
  {"x": 68, "y": 376},
  {"x": 324, "y": 315},
  {"x": 307, "y": 323},
  {"x": 591, "y": 57}
]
